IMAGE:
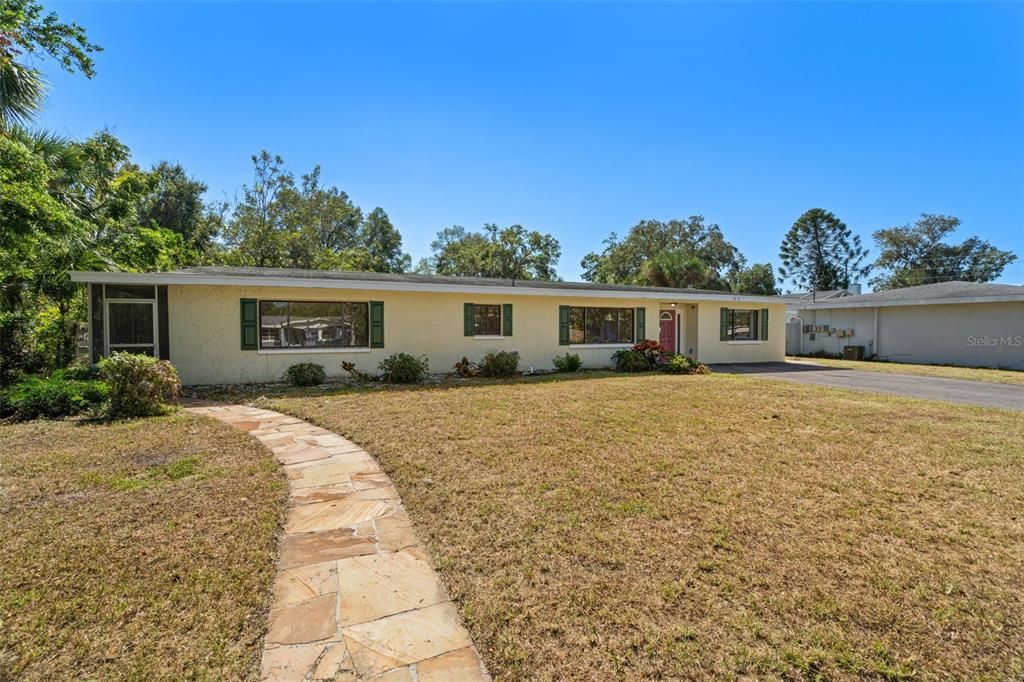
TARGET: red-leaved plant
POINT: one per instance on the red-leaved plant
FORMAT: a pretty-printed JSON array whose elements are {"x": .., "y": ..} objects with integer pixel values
[{"x": 652, "y": 350}]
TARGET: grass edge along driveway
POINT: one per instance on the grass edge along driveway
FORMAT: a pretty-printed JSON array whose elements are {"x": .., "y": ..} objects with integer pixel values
[{"x": 999, "y": 376}]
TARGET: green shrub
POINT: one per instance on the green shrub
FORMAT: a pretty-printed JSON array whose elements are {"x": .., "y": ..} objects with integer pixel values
[
  {"x": 52, "y": 398},
  {"x": 305, "y": 374},
  {"x": 402, "y": 368},
  {"x": 503, "y": 364},
  {"x": 680, "y": 364},
  {"x": 140, "y": 386},
  {"x": 77, "y": 373},
  {"x": 629, "y": 360},
  {"x": 570, "y": 362}
]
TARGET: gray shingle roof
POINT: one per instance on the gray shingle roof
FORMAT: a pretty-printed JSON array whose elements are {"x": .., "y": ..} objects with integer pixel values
[
  {"x": 806, "y": 296},
  {"x": 353, "y": 276},
  {"x": 944, "y": 291}
]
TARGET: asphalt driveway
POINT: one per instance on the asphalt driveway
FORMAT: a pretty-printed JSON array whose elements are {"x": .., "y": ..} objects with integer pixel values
[{"x": 986, "y": 394}]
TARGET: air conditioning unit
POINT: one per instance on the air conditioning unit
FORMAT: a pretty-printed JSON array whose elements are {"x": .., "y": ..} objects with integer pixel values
[{"x": 853, "y": 353}]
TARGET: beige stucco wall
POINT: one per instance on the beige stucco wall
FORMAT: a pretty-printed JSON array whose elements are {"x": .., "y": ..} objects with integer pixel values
[
  {"x": 711, "y": 349},
  {"x": 971, "y": 334},
  {"x": 205, "y": 344}
]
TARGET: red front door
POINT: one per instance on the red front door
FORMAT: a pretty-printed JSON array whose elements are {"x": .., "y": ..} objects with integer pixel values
[{"x": 667, "y": 336}]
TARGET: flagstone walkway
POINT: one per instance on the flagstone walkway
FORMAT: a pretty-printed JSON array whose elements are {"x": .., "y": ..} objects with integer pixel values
[{"x": 355, "y": 596}]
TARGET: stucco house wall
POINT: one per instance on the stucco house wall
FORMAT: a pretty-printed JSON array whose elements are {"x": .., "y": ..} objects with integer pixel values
[
  {"x": 711, "y": 349},
  {"x": 969, "y": 334},
  {"x": 205, "y": 344}
]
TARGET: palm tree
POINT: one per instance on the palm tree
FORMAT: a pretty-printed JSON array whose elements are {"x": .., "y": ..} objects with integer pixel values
[
  {"x": 679, "y": 270},
  {"x": 21, "y": 93}
]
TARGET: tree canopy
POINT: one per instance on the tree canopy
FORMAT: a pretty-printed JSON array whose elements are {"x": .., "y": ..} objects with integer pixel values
[
  {"x": 758, "y": 279},
  {"x": 820, "y": 252},
  {"x": 26, "y": 31},
  {"x": 916, "y": 254},
  {"x": 511, "y": 252},
  {"x": 667, "y": 246},
  {"x": 280, "y": 224}
]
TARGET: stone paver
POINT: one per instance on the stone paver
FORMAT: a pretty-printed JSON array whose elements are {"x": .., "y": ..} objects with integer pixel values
[{"x": 355, "y": 597}]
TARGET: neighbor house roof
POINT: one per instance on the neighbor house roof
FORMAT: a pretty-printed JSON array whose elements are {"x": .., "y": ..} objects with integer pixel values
[
  {"x": 808, "y": 296},
  {"x": 387, "y": 281},
  {"x": 927, "y": 294}
]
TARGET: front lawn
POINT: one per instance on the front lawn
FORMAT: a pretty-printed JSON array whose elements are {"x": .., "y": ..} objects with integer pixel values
[
  {"x": 999, "y": 376},
  {"x": 141, "y": 550},
  {"x": 718, "y": 526}
]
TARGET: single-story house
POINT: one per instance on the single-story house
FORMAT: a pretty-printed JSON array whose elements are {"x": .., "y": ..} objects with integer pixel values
[
  {"x": 240, "y": 325},
  {"x": 949, "y": 323},
  {"x": 797, "y": 300}
]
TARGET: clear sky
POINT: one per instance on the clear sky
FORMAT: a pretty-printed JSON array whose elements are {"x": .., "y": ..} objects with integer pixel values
[{"x": 580, "y": 119}]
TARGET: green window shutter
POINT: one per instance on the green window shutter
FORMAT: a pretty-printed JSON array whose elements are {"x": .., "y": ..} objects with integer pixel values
[
  {"x": 563, "y": 325},
  {"x": 250, "y": 320},
  {"x": 641, "y": 324},
  {"x": 468, "y": 319},
  {"x": 764, "y": 324},
  {"x": 723, "y": 330},
  {"x": 376, "y": 324},
  {"x": 506, "y": 319}
]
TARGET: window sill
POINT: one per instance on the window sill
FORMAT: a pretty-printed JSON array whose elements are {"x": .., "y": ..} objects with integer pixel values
[
  {"x": 488, "y": 337},
  {"x": 744, "y": 343},
  {"x": 600, "y": 345},
  {"x": 284, "y": 351}
]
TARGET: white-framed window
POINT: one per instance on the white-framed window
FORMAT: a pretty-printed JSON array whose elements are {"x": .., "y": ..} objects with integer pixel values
[
  {"x": 314, "y": 324},
  {"x": 131, "y": 315}
]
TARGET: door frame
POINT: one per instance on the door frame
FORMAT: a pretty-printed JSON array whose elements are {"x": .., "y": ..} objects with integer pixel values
[{"x": 673, "y": 317}]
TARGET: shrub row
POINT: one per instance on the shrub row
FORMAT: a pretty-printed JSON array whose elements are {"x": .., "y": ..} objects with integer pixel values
[
  {"x": 121, "y": 386},
  {"x": 649, "y": 355}
]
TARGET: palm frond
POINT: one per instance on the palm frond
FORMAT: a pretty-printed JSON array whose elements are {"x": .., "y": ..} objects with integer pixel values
[{"x": 21, "y": 93}]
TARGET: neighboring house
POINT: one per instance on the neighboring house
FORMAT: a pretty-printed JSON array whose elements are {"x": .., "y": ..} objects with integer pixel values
[
  {"x": 949, "y": 323},
  {"x": 237, "y": 325},
  {"x": 795, "y": 301}
]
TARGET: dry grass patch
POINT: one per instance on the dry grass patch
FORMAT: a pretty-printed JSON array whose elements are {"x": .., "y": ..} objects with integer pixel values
[
  {"x": 692, "y": 527},
  {"x": 999, "y": 376},
  {"x": 141, "y": 550}
]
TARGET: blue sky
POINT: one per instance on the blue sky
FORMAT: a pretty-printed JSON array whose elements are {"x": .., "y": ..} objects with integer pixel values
[{"x": 580, "y": 119}]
